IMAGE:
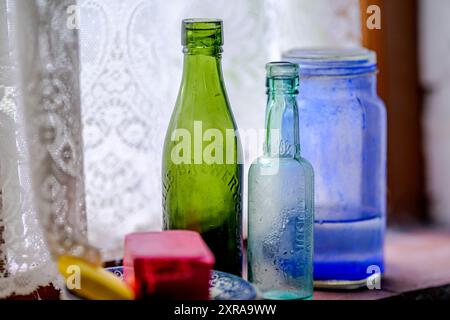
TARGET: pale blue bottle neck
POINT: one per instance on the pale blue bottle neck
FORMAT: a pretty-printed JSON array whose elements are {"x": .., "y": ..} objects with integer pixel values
[{"x": 282, "y": 127}]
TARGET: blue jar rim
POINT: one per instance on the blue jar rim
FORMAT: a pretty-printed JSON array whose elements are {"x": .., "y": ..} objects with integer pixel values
[{"x": 333, "y": 61}]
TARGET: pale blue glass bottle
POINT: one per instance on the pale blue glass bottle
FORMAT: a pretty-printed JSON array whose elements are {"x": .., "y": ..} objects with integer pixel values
[
  {"x": 281, "y": 198},
  {"x": 343, "y": 125}
]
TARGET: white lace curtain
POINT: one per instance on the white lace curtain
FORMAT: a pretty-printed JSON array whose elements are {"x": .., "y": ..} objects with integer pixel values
[{"x": 130, "y": 57}]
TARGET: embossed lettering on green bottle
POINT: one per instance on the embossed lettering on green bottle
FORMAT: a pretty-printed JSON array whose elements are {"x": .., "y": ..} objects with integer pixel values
[{"x": 202, "y": 167}]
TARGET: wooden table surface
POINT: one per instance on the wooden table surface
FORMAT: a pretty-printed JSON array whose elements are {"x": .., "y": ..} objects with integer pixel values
[{"x": 417, "y": 267}]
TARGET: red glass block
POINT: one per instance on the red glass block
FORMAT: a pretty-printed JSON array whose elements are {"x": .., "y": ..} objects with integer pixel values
[{"x": 174, "y": 265}]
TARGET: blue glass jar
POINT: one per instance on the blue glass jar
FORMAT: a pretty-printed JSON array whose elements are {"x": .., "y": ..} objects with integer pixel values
[{"x": 343, "y": 135}]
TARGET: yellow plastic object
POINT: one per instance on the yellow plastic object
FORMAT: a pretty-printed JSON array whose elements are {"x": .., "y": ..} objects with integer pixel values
[{"x": 92, "y": 282}]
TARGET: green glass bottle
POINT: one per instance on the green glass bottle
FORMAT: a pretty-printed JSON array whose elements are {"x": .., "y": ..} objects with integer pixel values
[{"x": 202, "y": 166}]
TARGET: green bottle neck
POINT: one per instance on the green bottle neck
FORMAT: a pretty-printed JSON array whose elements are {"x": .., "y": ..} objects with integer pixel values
[
  {"x": 282, "y": 135},
  {"x": 202, "y": 70}
]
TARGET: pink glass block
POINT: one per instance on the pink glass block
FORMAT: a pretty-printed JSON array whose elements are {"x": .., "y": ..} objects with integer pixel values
[{"x": 173, "y": 265}]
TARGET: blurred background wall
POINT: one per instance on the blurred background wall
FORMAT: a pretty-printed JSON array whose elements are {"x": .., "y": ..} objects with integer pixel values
[
  {"x": 396, "y": 44},
  {"x": 434, "y": 51},
  {"x": 413, "y": 48}
]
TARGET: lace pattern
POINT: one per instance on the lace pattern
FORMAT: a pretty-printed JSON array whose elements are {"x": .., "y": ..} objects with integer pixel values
[
  {"x": 48, "y": 55},
  {"x": 24, "y": 259}
]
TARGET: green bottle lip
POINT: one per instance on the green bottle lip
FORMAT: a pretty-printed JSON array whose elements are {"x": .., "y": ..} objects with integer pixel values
[
  {"x": 202, "y": 33},
  {"x": 202, "y": 24}
]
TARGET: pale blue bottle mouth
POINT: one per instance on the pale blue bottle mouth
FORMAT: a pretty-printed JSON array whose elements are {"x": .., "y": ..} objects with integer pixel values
[{"x": 333, "y": 62}]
